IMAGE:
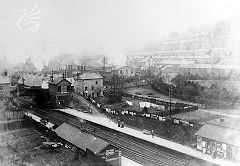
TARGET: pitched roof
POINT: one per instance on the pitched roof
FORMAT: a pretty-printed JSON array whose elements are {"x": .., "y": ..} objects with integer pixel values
[
  {"x": 226, "y": 122},
  {"x": 57, "y": 80},
  {"x": 221, "y": 134},
  {"x": 4, "y": 80},
  {"x": 90, "y": 76},
  {"x": 81, "y": 140}
]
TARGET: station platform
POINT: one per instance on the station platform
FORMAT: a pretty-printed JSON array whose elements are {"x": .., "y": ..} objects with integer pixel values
[{"x": 104, "y": 121}]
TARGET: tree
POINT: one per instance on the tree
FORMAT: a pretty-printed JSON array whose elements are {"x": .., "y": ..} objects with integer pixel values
[
  {"x": 145, "y": 110},
  {"x": 179, "y": 81},
  {"x": 14, "y": 78}
]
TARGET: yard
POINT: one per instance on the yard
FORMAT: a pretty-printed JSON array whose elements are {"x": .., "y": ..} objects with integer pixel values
[
  {"x": 149, "y": 92},
  {"x": 21, "y": 147}
]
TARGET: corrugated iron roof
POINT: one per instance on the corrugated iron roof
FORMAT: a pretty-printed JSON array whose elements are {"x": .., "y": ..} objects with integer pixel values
[
  {"x": 81, "y": 140},
  {"x": 221, "y": 134},
  {"x": 94, "y": 147}
]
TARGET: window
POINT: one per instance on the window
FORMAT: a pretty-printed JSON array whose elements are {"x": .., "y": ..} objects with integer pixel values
[
  {"x": 85, "y": 88},
  {"x": 92, "y": 95},
  {"x": 1, "y": 87},
  {"x": 1, "y": 98},
  {"x": 131, "y": 71},
  {"x": 68, "y": 88},
  {"x": 64, "y": 89},
  {"x": 92, "y": 87},
  {"x": 120, "y": 71},
  {"x": 59, "y": 88},
  {"x": 96, "y": 82},
  {"x": 126, "y": 71}
]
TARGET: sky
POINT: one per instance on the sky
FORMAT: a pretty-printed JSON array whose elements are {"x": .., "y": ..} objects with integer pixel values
[{"x": 41, "y": 29}]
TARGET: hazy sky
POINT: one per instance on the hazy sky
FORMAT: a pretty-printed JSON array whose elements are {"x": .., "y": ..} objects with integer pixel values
[{"x": 73, "y": 26}]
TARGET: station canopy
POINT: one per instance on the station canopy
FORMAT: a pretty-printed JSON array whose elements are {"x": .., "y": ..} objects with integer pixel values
[{"x": 80, "y": 139}]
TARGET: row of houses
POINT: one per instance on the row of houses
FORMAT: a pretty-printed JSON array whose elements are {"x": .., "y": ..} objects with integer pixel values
[{"x": 231, "y": 72}]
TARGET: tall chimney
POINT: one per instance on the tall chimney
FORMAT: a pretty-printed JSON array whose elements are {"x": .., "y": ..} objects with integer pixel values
[
  {"x": 69, "y": 68},
  {"x": 66, "y": 71},
  {"x": 81, "y": 69},
  {"x": 52, "y": 76}
]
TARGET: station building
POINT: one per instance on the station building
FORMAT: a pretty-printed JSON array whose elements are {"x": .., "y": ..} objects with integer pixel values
[
  {"x": 60, "y": 91},
  {"x": 220, "y": 138}
]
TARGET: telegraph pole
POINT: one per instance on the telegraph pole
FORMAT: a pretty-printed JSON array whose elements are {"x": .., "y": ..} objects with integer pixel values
[
  {"x": 104, "y": 61},
  {"x": 170, "y": 98},
  {"x": 149, "y": 70}
]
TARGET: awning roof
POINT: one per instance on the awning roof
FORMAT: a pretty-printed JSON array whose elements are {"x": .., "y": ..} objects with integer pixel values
[
  {"x": 221, "y": 134},
  {"x": 81, "y": 140}
]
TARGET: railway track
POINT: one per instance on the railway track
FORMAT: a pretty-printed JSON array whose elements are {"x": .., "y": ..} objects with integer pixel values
[
  {"x": 131, "y": 149},
  {"x": 154, "y": 152},
  {"x": 127, "y": 150}
]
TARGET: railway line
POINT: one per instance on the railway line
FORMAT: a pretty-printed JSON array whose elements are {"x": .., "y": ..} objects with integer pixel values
[{"x": 136, "y": 151}]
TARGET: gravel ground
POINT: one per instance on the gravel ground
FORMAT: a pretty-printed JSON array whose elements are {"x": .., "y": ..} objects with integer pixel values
[{"x": 20, "y": 147}]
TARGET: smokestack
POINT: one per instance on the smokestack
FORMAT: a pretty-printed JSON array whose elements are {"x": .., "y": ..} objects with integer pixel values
[
  {"x": 69, "y": 69},
  {"x": 81, "y": 69},
  {"x": 52, "y": 76},
  {"x": 66, "y": 72}
]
